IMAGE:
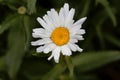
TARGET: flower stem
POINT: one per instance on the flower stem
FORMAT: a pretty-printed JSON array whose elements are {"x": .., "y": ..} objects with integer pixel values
[{"x": 70, "y": 66}]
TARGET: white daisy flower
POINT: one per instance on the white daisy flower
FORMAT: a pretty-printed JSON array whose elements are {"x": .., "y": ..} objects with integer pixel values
[{"x": 59, "y": 33}]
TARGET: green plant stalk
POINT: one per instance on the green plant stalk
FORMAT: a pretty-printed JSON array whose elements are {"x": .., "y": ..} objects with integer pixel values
[{"x": 70, "y": 66}]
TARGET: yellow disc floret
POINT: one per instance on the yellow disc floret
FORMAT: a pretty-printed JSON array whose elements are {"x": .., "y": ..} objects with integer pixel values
[{"x": 60, "y": 36}]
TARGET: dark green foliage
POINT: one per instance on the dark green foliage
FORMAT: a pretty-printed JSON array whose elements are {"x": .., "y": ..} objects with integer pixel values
[{"x": 19, "y": 61}]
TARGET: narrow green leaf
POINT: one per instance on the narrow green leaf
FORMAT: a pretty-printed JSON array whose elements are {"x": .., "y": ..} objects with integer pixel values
[
  {"x": 112, "y": 39},
  {"x": 100, "y": 36},
  {"x": 93, "y": 60},
  {"x": 9, "y": 21},
  {"x": 16, "y": 42},
  {"x": 99, "y": 32},
  {"x": 85, "y": 9},
  {"x": 28, "y": 32},
  {"x": 31, "y": 4},
  {"x": 108, "y": 9}
]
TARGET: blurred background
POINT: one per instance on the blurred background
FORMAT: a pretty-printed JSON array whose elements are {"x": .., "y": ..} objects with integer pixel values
[{"x": 100, "y": 59}]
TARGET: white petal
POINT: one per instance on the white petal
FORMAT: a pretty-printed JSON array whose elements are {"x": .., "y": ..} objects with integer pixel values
[
  {"x": 55, "y": 17},
  {"x": 49, "y": 13},
  {"x": 56, "y": 53},
  {"x": 69, "y": 25},
  {"x": 48, "y": 21},
  {"x": 43, "y": 23},
  {"x": 75, "y": 28},
  {"x": 51, "y": 56},
  {"x": 78, "y": 48},
  {"x": 42, "y": 35},
  {"x": 78, "y": 37},
  {"x": 81, "y": 31},
  {"x": 41, "y": 42},
  {"x": 66, "y": 51},
  {"x": 66, "y": 7},
  {"x": 51, "y": 18},
  {"x": 38, "y": 30},
  {"x": 69, "y": 18},
  {"x": 80, "y": 21},
  {"x": 49, "y": 48},
  {"x": 73, "y": 40},
  {"x": 72, "y": 47},
  {"x": 40, "y": 49},
  {"x": 61, "y": 17},
  {"x": 65, "y": 10}
]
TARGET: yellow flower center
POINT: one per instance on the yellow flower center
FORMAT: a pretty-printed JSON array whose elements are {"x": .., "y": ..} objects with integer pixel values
[{"x": 60, "y": 36}]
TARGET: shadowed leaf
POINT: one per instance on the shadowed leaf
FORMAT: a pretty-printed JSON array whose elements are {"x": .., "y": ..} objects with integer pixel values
[
  {"x": 105, "y": 3},
  {"x": 28, "y": 32},
  {"x": 112, "y": 39},
  {"x": 93, "y": 60},
  {"x": 9, "y": 21},
  {"x": 14, "y": 56}
]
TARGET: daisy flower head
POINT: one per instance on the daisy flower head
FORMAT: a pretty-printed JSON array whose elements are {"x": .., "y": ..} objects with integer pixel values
[{"x": 59, "y": 34}]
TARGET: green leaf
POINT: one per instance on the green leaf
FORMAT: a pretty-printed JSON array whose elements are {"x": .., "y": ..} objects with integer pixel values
[
  {"x": 2, "y": 63},
  {"x": 112, "y": 39},
  {"x": 28, "y": 32},
  {"x": 9, "y": 21},
  {"x": 98, "y": 22},
  {"x": 108, "y": 9},
  {"x": 14, "y": 56},
  {"x": 31, "y": 4},
  {"x": 85, "y": 62},
  {"x": 100, "y": 36},
  {"x": 85, "y": 8},
  {"x": 93, "y": 60},
  {"x": 99, "y": 32}
]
